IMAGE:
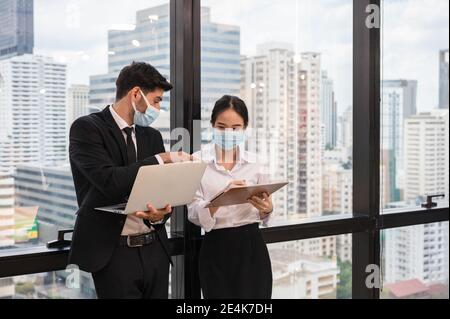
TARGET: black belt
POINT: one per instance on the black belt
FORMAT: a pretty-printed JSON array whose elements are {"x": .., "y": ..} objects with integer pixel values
[{"x": 134, "y": 241}]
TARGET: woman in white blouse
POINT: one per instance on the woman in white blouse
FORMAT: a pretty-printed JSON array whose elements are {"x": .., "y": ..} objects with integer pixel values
[{"x": 234, "y": 261}]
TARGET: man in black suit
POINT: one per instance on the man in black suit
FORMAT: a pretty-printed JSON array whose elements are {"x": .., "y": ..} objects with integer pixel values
[{"x": 127, "y": 255}]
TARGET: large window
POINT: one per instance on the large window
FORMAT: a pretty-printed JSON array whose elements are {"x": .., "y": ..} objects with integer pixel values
[
  {"x": 415, "y": 261},
  {"x": 294, "y": 72},
  {"x": 414, "y": 113},
  {"x": 348, "y": 102},
  {"x": 71, "y": 72}
]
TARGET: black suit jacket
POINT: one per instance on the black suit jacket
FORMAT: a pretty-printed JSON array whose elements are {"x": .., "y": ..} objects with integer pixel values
[{"x": 102, "y": 177}]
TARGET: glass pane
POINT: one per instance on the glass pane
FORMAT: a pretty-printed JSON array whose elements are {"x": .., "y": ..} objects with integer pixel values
[
  {"x": 319, "y": 268},
  {"x": 415, "y": 262},
  {"x": 414, "y": 115},
  {"x": 54, "y": 69},
  {"x": 291, "y": 63}
]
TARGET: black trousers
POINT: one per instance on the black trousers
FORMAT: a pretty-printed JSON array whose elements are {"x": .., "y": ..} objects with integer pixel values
[
  {"x": 134, "y": 273},
  {"x": 235, "y": 263}
]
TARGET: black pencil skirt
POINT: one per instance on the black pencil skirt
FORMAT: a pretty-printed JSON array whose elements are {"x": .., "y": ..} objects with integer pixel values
[{"x": 235, "y": 263}]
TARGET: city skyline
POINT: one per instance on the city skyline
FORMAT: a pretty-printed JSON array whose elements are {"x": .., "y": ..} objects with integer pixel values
[{"x": 86, "y": 52}]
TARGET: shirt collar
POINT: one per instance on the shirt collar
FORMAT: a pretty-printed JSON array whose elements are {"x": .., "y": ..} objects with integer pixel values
[{"x": 121, "y": 123}]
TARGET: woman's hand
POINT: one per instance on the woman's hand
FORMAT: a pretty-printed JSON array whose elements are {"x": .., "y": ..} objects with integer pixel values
[{"x": 263, "y": 205}]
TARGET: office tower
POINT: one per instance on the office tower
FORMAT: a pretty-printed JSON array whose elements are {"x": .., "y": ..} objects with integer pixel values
[
  {"x": 51, "y": 191},
  {"x": 16, "y": 28},
  {"x": 398, "y": 104},
  {"x": 443, "y": 79},
  {"x": 328, "y": 112},
  {"x": 268, "y": 86},
  {"x": 149, "y": 41},
  {"x": 422, "y": 251},
  {"x": 77, "y": 102}
]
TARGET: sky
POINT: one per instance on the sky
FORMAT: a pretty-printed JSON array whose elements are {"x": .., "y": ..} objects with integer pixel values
[{"x": 75, "y": 32}]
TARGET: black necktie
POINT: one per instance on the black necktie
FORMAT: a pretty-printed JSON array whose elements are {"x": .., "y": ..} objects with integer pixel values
[
  {"x": 131, "y": 150},
  {"x": 131, "y": 155}
]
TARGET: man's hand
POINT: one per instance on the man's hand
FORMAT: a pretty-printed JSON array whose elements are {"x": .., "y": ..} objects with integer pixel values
[
  {"x": 154, "y": 215},
  {"x": 175, "y": 157}
]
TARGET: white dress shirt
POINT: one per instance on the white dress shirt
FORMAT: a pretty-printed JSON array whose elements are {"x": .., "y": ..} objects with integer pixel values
[
  {"x": 215, "y": 180},
  {"x": 133, "y": 225}
]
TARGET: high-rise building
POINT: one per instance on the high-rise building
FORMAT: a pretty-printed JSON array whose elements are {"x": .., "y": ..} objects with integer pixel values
[
  {"x": 345, "y": 132},
  {"x": 399, "y": 103},
  {"x": 422, "y": 252},
  {"x": 32, "y": 122},
  {"x": 328, "y": 112},
  {"x": 268, "y": 86},
  {"x": 426, "y": 154},
  {"x": 16, "y": 28},
  {"x": 77, "y": 102},
  {"x": 284, "y": 97},
  {"x": 443, "y": 79},
  {"x": 33, "y": 108},
  {"x": 149, "y": 41},
  {"x": 51, "y": 189},
  {"x": 337, "y": 198},
  {"x": 309, "y": 135}
]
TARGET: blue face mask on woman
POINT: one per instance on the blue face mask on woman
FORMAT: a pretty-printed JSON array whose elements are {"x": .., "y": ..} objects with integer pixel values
[
  {"x": 228, "y": 140},
  {"x": 149, "y": 117}
]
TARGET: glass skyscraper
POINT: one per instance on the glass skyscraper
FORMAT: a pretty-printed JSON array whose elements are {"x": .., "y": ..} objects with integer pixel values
[{"x": 16, "y": 27}]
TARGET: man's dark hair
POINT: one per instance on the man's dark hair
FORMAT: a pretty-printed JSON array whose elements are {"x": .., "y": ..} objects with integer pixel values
[{"x": 140, "y": 74}]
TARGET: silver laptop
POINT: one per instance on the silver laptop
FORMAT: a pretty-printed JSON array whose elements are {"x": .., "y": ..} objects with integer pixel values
[{"x": 161, "y": 185}]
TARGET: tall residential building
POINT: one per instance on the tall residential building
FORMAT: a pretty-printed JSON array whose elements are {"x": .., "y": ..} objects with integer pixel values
[
  {"x": 426, "y": 154},
  {"x": 443, "y": 79},
  {"x": 16, "y": 28},
  {"x": 33, "y": 109},
  {"x": 422, "y": 252},
  {"x": 345, "y": 132},
  {"x": 268, "y": 86},
  {"x": 309, "y": 135},
  {"x": 337, "y": 198},
  {"x": 284, "y": 98},
  {"x": 399, "y": 103},
  {"x": 77, "y": 102},
  {"x": 328, "y": 112},
  {"x": 149, "y": 41},
  {"x": 33, "y": 117}
]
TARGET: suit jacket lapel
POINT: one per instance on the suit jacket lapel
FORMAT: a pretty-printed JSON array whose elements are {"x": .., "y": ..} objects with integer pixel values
[{"x": 116, "y": 133}]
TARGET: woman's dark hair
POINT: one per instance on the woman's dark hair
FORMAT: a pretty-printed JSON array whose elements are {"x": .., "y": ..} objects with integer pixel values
[
  {"x": 230, "y": 102},
  {"x": 140, "y": 74}
]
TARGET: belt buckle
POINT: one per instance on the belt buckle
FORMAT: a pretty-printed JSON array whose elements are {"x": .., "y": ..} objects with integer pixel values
[{"x": 133, "y": 246}]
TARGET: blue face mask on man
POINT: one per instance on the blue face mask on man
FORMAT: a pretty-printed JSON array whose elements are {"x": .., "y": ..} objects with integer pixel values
[
  {"x": 228, "y": 140},
  {"x": 149, "y": 117}
]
